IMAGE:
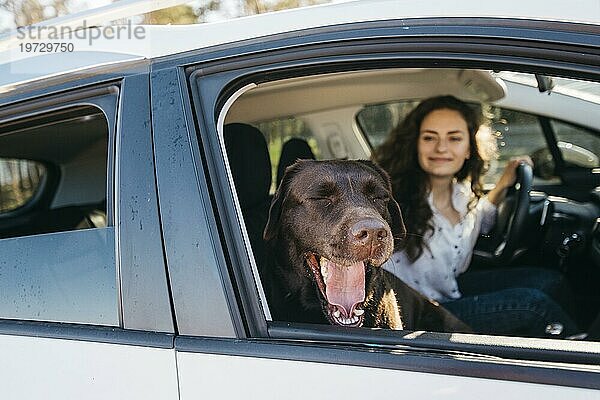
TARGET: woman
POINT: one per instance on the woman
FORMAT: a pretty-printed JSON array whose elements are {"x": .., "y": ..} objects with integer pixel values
[{"x": 436, "y": 165}]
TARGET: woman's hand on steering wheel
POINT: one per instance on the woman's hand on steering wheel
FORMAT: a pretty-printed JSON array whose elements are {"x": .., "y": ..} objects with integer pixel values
[{"x": 508, "y": 178}]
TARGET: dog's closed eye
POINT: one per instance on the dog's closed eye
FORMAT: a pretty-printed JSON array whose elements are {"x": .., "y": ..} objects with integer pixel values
[
  {"x": 381, "y": 198},
  {"x": 326, "y": 201}
]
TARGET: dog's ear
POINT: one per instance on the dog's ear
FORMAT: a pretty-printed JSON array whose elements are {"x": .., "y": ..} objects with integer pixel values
[
  {"x": 398, "y": 228},
  {"x": 397, "y": 223},
  {"x": 275, "y": 213},
  {"x": 277, "y": 203}
]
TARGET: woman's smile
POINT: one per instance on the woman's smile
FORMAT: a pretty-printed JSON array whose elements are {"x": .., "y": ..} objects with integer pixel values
[{"x": 440, "y": 159}]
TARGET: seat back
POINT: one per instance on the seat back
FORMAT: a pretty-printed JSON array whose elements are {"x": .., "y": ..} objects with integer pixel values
[
  {"x": 251, "y": 169},
  {"x": 293, "y": 150}
]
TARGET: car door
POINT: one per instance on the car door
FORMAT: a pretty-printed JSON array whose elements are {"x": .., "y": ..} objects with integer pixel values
[
  {"x": 227, "y": 343},
  {"x": 84, "y": 309}
]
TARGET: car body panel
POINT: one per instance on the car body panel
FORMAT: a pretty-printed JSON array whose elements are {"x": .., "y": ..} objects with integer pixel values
[
  {"x": 71, "y": 369},
  {"x": 287, "y": 356},
  {"x": 210, "y": 374}
]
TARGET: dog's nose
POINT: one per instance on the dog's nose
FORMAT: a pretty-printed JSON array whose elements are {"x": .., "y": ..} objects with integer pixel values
[{"x": 369, "y": 231}]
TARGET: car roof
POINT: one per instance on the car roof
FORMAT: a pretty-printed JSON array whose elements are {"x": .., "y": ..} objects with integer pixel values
[{"x": 18, "y": 67}]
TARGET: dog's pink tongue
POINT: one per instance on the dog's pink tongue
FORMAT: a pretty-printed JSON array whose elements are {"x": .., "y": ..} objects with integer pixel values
[{"x": 345, "y": 286}]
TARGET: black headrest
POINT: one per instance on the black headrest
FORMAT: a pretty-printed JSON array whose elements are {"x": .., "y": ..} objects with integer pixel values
[
  {"x": 294, "y": 149},
  {"x": 249, "y": 161}
]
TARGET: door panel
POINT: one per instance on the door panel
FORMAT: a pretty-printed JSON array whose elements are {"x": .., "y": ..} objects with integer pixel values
[
  {"x": 232, "y": 377},
  {"x": 43, "y": 368}
]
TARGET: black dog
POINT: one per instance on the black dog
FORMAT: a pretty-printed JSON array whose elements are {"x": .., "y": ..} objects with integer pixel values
[{"x": 331, "y": 226}]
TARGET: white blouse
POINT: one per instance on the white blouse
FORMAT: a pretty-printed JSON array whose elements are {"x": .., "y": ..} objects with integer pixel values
[{"x": 450, "y": 247}]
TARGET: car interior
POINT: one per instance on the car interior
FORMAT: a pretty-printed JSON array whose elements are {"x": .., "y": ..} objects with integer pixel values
[
  {"x": 550, "y": 219},
  {"x": 53, "y": 170}
]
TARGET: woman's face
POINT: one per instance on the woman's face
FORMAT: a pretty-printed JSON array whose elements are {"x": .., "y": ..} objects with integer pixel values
[{"x": 443, "y": 144}]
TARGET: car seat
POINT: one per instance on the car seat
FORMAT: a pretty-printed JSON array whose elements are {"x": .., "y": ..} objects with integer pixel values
[
  {"x": 292, "y": 150},
  {"x": 251, "y": 169}
]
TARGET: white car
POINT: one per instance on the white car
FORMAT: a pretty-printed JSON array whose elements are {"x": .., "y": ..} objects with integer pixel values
[{"x": 127, "y": 266}]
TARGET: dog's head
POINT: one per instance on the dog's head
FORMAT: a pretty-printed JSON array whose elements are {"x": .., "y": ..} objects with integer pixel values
[{"x": 333, "y": 221}]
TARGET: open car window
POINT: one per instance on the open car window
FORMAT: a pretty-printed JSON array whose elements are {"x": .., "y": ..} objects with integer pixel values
[{"x": 350, "y": 127}]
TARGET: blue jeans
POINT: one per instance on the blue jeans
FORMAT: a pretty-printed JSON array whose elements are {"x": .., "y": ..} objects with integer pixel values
[{"x": 515, "y": 301}]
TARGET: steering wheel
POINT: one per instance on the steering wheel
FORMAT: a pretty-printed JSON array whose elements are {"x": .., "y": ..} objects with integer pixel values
[{"x": 503, "y": 244}]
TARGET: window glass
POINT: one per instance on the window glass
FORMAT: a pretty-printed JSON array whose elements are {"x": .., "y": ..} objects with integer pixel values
[
  {"x": 74, "y": 144},
  {"x": 517, "y": 134},
  {"x": 62, "y": 277},
  {"x": 19, "y": 182},
  {"x": 59, "y": 254},
  {"x": 378, "y": 120},
  {"x": 584, "y": 90},
  {"x": 578, "y": 146}
]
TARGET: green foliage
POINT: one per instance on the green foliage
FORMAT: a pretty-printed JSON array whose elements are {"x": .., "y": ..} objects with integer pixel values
[
  {"x": 263, "y": 6},
  {"x": 27, "y": 12},
  {"x": 173, "y": 15}
]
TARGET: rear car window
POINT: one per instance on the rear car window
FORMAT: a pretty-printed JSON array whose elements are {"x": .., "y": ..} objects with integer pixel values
[
  {"x": 578, "y": 146},
  {"x": 57, "y": 246},
  {"x": 377, "y": 120}
]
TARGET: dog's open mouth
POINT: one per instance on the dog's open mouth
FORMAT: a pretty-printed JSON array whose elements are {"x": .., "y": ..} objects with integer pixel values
[{"x": 342, "y": 287}]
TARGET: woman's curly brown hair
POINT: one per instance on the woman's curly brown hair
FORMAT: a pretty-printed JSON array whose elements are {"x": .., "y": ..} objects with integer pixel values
[{"x": 398, "y": 156}]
